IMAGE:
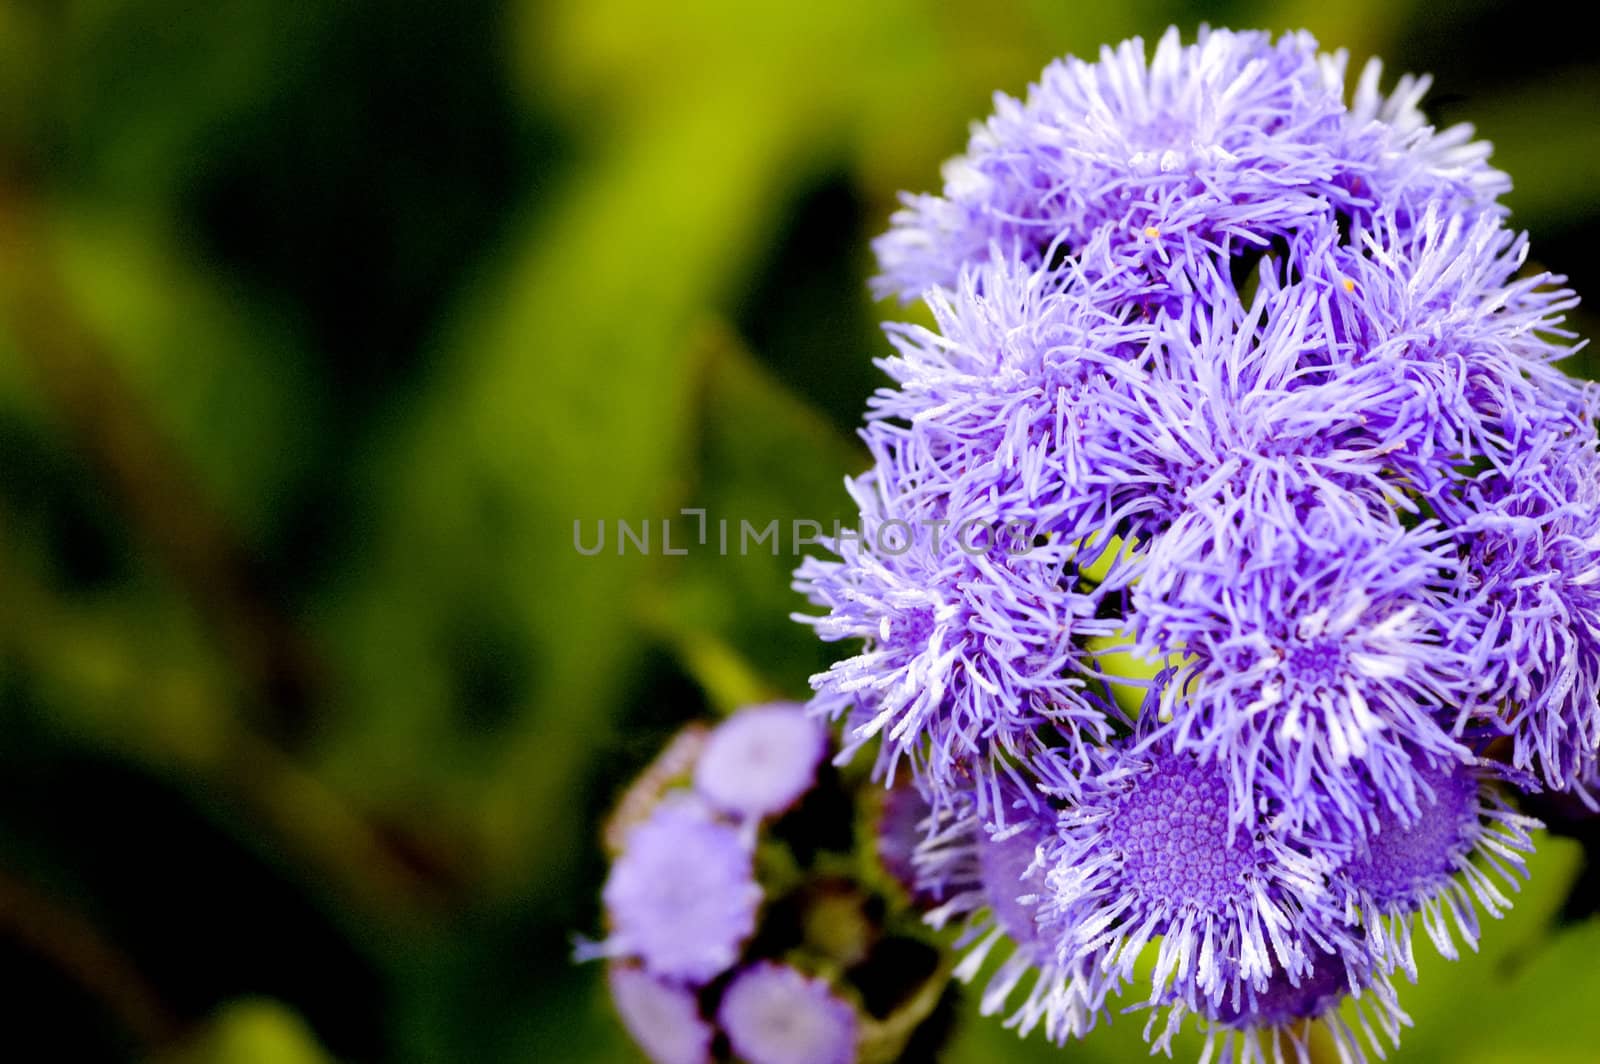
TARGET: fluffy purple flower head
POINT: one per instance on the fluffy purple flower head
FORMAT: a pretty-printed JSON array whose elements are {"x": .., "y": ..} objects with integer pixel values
[
  {"x": 773, "y": 1014},
  {"x": 1237, "y": 405},
  {"x": 970, "y": 652},
  {"x": 1004, "y": 402},
  {"x": 759, "y": 761},
  {"x": 1266, "y": 342},
  {"x": 1208, "y": 148},
  {"x": 1532, "y": 619},
  {"x": 1146, "y": 851},
  {"x": 1314, "y": 654},
  {"x": 682, "y": 897},
  {"x": 1446, "y": 354},
  {"x": 1199, "y": 434},
  {"x": 662, "y": 1017},
  {"x": 1439, "y": 866}
]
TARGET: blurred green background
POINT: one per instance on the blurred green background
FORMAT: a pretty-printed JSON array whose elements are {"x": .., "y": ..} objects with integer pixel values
[{"x": 320, "y": 324}]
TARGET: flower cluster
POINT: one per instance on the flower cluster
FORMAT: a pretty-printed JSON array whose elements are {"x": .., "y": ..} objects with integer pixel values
[
  {"x": 731, "y": 935},
  {"x": 1252, "y": 356}
]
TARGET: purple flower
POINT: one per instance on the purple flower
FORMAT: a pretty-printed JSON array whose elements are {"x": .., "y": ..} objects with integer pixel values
[
  {"x": 1314, "y": 653},
  {"x": 1272, "y": 351},
  {"x": 1213, "y": 148},
  {"x": 1441, "y": 863},
  {"x": 688, "y": 931},
  {"x": 1460, "y": 347},
  {"x": 759, "y": 762},
  {"x": 1146, "y": 851},
  {"x": 663, "y": 1017},
  {"x": 682, "y": 897},
  {"x": 1238, "y": 404},
  {"x": 1000, "y": 414},
  {"x": 773, "y": 1014},
  {"x": 1531, "y": 613},
  {"x": 969, "y": 656}
]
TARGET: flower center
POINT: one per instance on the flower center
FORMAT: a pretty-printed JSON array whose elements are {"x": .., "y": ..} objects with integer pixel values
[
  {"x": 1318, "y": 662},
  {"x": 1172, "y": 831},
  {"x": 1403, "y": 860}
]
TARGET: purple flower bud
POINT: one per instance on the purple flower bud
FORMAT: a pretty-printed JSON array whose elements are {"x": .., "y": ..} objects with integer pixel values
[
  {"x": 663, "y": 1017},
  {"x": 759, "y": 761},
  {"x": 773, "y": 1014},
  {"x": 682, "y": 897}
]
